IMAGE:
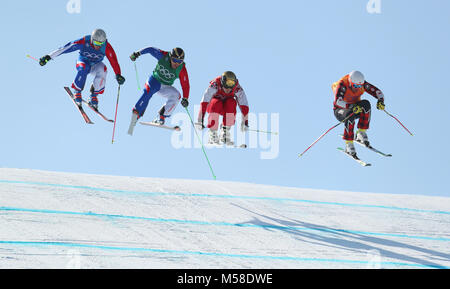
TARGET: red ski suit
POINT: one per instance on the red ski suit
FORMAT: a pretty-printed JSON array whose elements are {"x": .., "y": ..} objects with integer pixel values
[{"x": 218, "y": 103}]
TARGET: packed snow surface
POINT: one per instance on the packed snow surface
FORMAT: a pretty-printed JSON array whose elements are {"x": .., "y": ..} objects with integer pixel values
[{"x": 68, "y": 220}]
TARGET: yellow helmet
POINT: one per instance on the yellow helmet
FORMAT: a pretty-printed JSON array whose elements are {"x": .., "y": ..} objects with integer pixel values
[{"x": 228, "y": 79}]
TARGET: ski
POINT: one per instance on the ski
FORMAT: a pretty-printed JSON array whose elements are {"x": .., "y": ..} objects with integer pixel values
[
  {"x": 177, "y": 128},
  {"x": 358, "y": 160},
  {"x": 373, "y": 149},
  {"x": 79, "y": 107},
  {"x": 242, "y": 146},
  {"x": 222, "y": 145},
  {"x": 98, "y": 112},
  {"x": 134, "y": 119}
]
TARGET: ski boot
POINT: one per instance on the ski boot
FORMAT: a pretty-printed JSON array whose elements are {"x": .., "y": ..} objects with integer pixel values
[
  {"x": 161, "y": 119},
  {"x": 93, "y": 101},
  {"x": 350, "y": 148},
  {"x": 225, "y": 136},
  {"x": 213, "y": 137},
  {"x": 77, "y": 94},
  {"x": 361, "y": 136}
]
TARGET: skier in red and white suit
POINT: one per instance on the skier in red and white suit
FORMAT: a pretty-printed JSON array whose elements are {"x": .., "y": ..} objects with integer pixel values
[{"x": 220, "y": 99}]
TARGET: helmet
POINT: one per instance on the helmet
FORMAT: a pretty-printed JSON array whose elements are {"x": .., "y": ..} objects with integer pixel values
[
  {"x": 356, "y": 78},
  {"x": 228, "y": 79},
  {"x": 98, "y": 36},
  {"x": 177, "y": 53}
]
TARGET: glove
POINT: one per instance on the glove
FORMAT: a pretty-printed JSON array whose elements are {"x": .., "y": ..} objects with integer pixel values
[
  {"x": 120, "y": 79},
  {"x": 380, "y": 104},
  {"x": 43, "y": 61},
  {"x": 357, "y": 109},
  {"x": 135, "y": 55},
  {"x": 184, "y": 102},
  {"x": 244, "y": 125}
]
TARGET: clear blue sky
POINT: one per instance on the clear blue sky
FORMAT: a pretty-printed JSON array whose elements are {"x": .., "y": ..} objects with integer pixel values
[{"x": 286, "y": 55}]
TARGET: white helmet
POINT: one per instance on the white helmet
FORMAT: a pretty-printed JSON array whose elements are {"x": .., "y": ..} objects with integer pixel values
[
  {"x": 356, "y": 78},
  {"x": 98, "y": 35}
]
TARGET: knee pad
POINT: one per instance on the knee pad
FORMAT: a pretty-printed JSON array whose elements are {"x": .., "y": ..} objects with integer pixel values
[
  {"x": 365, "y": 104},
  {"x": 81, "y": 66}
]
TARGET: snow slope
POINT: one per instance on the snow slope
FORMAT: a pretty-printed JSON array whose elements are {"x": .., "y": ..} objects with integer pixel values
[{"x": 66, "y": 220}]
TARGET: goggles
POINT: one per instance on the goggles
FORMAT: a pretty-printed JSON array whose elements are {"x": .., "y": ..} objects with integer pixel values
[
  {"x": 98, "y": 43},
  {"x": 357, "y": 85},
  {"x": 176, "y": 60},
  {"x": 230, "y": 83}
]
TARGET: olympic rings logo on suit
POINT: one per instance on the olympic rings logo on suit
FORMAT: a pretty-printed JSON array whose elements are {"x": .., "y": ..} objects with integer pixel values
[
  {"x": 92, "y": 55},
  {"x": 165, "y": 72}
]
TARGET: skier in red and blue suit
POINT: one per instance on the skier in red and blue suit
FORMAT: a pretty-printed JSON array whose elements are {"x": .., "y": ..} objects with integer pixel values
[{"x": 93, "y": 49}]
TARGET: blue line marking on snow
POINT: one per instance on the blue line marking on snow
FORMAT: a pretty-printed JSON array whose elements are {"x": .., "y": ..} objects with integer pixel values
[
  {"x": 151, "y": 250},
  {"x": 223, "y": 196},
  {"x": 194, "y": 222}
]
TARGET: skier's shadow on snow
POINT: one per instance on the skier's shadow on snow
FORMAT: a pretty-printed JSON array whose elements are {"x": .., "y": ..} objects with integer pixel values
[{"x": 339, "y": 239}]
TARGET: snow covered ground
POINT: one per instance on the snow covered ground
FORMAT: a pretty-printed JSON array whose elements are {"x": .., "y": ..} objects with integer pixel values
[{"x": 66, "y": 220}]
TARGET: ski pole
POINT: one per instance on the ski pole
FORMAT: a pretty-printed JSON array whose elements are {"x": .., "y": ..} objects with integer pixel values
[
  {"x": 201, "y": 142},
  {"x": 35, "y": 59},
  {"x": 398, "y": 121},
  {"x": 262, "y": 131},
  {"x": 344, "y": 120},
  {"x": 115, "y": 116},
  {"x": 137, "y": 76}
]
